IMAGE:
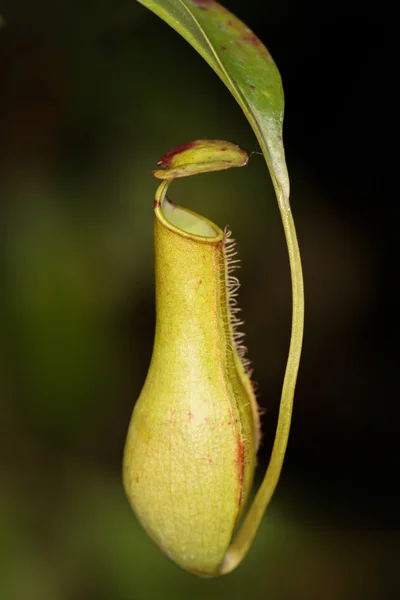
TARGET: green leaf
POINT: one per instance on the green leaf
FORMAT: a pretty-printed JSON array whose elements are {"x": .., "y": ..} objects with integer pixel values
[{"x": 243, "y": 63}]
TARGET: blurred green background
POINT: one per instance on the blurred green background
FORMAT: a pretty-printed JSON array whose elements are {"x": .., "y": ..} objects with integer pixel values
[{"x": 91, "y": 95}]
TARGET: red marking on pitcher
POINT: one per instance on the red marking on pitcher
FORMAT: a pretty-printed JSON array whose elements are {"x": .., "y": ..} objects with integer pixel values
[
  {"x": 240, "y": 463},
  {"x": 208, "y": 460}
]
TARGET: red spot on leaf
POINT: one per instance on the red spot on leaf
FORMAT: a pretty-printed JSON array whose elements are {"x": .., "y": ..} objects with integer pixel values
[
  {"x": 137, "y": 478},
  {"x": 252, "y": 86},
  {"x": 190, "y": 416},
  {"x": 252, "y": 39},
  {"x": 203, "y": 4},
  {"x": 200, "y": 281},
  {"x": 249, "y": 38},
  {"x": 165, "y": 161}
]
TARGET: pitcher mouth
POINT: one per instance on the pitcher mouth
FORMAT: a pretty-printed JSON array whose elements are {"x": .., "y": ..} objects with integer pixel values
[{"x": 183, "y": 221}]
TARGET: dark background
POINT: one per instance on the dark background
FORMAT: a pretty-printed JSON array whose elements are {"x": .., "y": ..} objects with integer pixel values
[{"x": 91, "y": 95}]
